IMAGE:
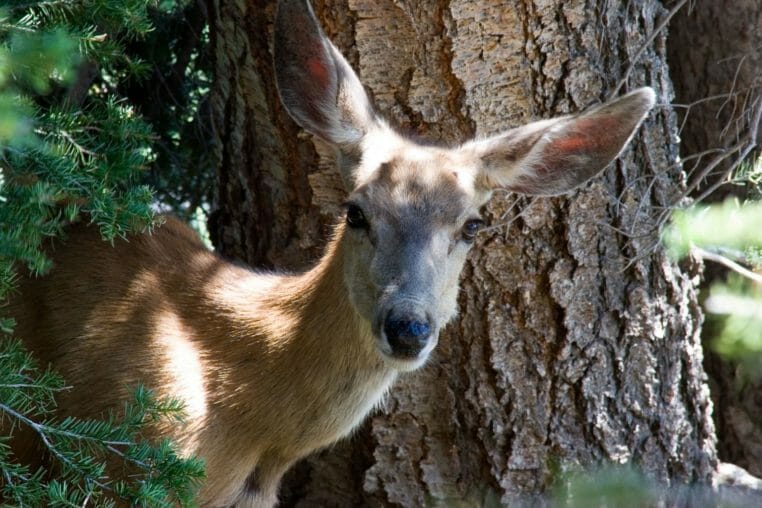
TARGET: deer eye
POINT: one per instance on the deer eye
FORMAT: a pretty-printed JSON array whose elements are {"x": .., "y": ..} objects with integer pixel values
[
  {"x": 355, "y": 217},
  {"x": 470, "y": 228}
]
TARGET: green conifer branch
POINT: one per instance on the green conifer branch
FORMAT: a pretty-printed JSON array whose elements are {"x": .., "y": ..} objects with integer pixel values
[{"x": 61, "y": 162}]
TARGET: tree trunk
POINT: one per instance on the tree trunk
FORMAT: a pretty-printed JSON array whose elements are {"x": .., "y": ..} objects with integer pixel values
[
  {"x": 720, "y": 41},
  {"x": 578, "y": 339},
  {"x": 715, "y": 55}
]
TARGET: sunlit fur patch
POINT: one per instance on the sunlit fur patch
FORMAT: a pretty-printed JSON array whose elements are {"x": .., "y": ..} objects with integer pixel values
[
  {"x": 183, "y": 367},
  {"x": 428, "y": 165},
  {"x": 416, "y": 194}
]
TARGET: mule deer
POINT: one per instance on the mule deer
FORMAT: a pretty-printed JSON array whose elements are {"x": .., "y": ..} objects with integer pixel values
[{"x": 273, "y": 367}]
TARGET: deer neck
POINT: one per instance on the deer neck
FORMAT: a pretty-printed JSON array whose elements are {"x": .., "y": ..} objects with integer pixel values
[
  {"x": 312, "y": 355},
  {"x": 324, "y": 321}
]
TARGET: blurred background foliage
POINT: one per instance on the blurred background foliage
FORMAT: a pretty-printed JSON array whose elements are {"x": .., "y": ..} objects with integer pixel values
[{"x": 730, "y": 235}]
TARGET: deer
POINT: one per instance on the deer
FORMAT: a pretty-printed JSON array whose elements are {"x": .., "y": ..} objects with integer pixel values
[{"x": 275, "y": 366}]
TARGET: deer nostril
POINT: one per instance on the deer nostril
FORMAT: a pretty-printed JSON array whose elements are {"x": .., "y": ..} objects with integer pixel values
[
  {"x": 404, "y": 328},
  {"x": 406, "y": 337}
]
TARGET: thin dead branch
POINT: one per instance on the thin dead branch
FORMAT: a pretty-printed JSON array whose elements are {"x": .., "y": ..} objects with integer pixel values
[{"x": 727, "y": 262}]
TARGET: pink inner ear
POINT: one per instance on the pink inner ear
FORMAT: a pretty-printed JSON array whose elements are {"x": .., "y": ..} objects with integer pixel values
[
  {"x": 318, "y": 70},
  {"x": 599, "y": 134},
  {"x": 571, "y": 144}
]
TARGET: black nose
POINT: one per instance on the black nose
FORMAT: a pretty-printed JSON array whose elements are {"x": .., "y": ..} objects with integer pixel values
[{"x": 407, "y": 337}]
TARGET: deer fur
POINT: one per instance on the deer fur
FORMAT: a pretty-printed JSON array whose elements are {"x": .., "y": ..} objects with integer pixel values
[{"x": 274, "y": 367}]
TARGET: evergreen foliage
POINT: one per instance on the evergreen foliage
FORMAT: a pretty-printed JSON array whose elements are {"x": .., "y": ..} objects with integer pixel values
[
  {"x": 83, "y": 448},
  {"x": 61, "y": 154},
  {"x": 177, "y": 106},
  {"x": 73, "y": 147},
  {"x": 731, "y": 226}
]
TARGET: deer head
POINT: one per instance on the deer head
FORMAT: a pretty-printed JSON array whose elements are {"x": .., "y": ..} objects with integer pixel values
[{"x": 412, "y": 210}]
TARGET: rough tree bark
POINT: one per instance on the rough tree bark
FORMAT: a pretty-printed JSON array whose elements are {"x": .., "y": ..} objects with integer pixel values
[
  {"x": 578, "y": 340},
  {"x": 715, "y": 57}
]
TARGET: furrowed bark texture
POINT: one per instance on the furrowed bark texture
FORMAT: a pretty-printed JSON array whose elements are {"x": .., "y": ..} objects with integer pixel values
[
  {"x": 715, "y": 58},
  {"x": 578, "y": 338},
  {"x": 270, "y": 215}
]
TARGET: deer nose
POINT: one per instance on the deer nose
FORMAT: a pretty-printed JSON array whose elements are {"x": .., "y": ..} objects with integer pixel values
[{"x": 406, "y": 336}]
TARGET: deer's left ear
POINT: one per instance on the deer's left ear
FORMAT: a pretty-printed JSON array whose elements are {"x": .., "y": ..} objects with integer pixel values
[{"x": 551, "y": 157}]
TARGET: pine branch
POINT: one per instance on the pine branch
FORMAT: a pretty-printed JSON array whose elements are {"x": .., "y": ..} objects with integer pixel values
[{"x": 58, "y": 162}]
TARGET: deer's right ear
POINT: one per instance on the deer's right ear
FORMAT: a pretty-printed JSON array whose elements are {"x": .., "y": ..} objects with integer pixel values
[{"x": 317, "y": 86}]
